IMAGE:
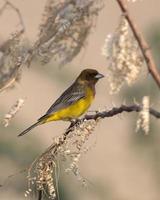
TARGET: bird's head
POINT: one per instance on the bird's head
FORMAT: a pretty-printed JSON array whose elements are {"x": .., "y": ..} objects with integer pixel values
[{"x": 89, "y": 76}]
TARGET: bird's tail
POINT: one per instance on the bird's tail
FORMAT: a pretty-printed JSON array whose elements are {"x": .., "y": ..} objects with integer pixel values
[{"x": 30, "y": 128}]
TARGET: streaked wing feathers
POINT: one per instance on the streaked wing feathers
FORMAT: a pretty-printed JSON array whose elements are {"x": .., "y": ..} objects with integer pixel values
[{"x": 70, "y": 96}]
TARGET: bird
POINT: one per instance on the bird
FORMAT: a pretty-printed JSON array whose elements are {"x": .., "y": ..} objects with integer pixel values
[{"x": 73, "y": 102}]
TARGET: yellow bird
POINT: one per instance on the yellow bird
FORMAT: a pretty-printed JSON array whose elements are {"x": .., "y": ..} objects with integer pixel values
[{"x": 74, "y": 101}]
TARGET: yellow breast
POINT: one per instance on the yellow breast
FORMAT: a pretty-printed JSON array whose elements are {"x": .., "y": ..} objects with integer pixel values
[{"x": 75, "y": 110}]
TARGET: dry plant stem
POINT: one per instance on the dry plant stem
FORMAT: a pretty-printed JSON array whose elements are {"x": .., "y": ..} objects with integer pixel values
[
  {"x": 2, "y": 9},
  {"x": 40, "y": 195},
  {"x": 152, "y": 68},
  {"x": 9, "y": 4},
  {"x": 118, "y": 110}
]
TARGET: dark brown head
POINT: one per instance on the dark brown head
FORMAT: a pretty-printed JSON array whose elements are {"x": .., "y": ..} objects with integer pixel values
[{"x": 89, "y": 76}]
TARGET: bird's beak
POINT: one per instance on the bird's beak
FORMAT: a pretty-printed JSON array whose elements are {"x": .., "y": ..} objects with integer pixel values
[{"x": 99, "y": 76}]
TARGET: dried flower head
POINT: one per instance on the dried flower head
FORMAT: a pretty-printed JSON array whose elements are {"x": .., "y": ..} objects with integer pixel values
[
  {"x": 75, "y": 144},
  {"x": 12, "y": 52},
  {"x": 133, "y": 1},
  {"x": 45, "y": 174},
  {"x": 65, "y": 27},
  {"x": 144, "y": 116},
  {"x": 42, "y": 175},
  {"x": 12, "y": 55},
  {"x": 70, "y": 147},
  {"x": 12, "y": 112},
  {"x": 124, "y": 57}
]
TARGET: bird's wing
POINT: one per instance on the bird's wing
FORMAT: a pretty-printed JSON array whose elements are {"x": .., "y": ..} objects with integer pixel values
[{"x": 69, "y": 96}]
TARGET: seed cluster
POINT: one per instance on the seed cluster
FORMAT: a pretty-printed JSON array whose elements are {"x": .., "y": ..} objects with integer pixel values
[
  {"x": 68, "y": 149},
  {"x": 12, "y": 55},
  {"x": 144, "y": 116},
  {"x": 124, "y": 57},
  {"x": 13, "y": 111},
  {"x": 64, "y": 29}
]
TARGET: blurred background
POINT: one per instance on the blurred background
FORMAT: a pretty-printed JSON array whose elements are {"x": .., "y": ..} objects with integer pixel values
[{"x": 123, "y": 165}]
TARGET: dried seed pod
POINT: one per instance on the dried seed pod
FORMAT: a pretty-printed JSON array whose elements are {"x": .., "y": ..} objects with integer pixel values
[
  {"x": 12, "y": 112},
  {"x": 144, "y": 116},
  {"x": 65, "y": 27},
  {"x": 124, "y": 57},
  {"x": 69, "y": 148},
  {"x": 12, "y": 55},
  {"x": 12, "y": 52}
]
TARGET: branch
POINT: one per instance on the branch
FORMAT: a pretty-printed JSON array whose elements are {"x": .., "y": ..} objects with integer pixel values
[
  {"x": 9, "y": 4},
  {"x": 152, "y": 68},
  {"x": 110, "y": 113},
  {"x": 40, "y": 195}
]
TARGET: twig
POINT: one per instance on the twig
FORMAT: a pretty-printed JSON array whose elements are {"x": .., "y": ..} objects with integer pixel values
[
  {"x": 9, "y": 4},
  {"x": 12, "y": 176},
  {"x": 152, "y": 68},
  {"x": 118, "y": 110},
  {"x": 2, "y": 9},
  {"x": 40, "y": 194},
  {"x": 110, "y": 113}
]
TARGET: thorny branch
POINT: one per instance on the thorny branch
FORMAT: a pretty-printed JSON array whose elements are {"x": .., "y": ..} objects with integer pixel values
[{"x": 152, "y": 68}]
